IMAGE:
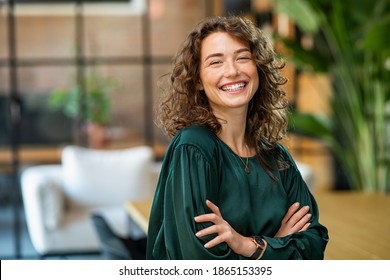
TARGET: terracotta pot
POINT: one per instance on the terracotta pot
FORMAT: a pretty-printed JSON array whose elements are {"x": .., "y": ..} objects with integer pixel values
[{"x": 97, "y": 136}]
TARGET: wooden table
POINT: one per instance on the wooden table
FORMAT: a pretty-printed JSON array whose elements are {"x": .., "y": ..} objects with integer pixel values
[
  {"x": 41, "y": 155},
  {"x": 52, "y": 154},
  {"x": 358, "y": 224},
  {"x": 139, "y": 211}
]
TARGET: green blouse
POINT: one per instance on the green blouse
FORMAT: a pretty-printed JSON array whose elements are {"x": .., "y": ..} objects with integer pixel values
[{"x": 199, "y": 166}]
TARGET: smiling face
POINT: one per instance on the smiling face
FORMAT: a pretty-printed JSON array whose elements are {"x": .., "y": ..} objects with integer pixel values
[{"x": 228, "y": 74}]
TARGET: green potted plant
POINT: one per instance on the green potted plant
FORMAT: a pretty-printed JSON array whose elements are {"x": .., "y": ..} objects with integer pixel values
[
  {"x": 351, "y": 45},
  {"x": 92, "y": 109}
]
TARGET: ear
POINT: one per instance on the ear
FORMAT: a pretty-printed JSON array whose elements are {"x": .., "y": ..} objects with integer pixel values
[{"x": 199, "y": 85}]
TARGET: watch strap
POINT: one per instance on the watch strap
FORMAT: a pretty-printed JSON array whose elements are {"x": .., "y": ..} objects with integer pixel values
[{"x": 259, "y": 247}]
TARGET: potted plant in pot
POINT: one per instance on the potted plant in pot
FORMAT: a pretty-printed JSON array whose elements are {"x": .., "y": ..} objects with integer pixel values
[{"x": 93, "y": 108}]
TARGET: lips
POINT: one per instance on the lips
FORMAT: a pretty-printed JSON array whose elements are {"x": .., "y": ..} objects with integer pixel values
[{"x": 233, "y": 87}]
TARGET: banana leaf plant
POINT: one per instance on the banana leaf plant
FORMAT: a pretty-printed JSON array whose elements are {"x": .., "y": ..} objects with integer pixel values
[{"x": 351, "y": 43}]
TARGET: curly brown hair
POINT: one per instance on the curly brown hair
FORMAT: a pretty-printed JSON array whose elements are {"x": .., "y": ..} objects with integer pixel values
[{"x": 182, "y": 104}]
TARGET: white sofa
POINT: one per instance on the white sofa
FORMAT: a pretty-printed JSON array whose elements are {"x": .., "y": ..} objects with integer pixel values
[{"x": 59, "y": 199}]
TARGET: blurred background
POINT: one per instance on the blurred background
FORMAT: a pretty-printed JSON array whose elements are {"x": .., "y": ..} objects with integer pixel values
[{"x": 86, "y": 73}]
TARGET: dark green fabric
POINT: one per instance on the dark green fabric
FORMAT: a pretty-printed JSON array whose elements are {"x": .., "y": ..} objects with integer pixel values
[{"x": 199, "y": 166}]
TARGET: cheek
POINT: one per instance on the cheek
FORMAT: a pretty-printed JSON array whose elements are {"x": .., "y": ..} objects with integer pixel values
[
  {"x": 207, "y": 79},
  {"x": 256, "y": 79}
]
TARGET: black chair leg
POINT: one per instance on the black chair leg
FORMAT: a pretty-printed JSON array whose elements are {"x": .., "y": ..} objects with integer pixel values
[
  {"x": 136, "y": 247},
  {"x": 113, "y": 247}
]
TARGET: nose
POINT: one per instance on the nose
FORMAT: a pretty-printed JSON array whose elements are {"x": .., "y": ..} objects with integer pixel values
[{"x": 231, "y": 69}]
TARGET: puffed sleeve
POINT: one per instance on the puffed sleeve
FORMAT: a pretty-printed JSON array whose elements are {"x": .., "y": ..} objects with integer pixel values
[
  {"x": 190, "y": 180},
  {"x": 309, "y": 244}
]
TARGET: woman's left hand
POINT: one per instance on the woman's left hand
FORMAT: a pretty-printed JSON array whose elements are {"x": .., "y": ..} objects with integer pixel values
[{"x": 240, "y": 244}]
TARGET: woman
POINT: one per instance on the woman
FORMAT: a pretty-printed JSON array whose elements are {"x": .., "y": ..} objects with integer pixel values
[{"x": 228, "y": 189}]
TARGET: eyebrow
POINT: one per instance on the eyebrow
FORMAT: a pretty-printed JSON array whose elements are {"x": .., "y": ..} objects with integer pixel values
[{"x": 220, "y": 54}]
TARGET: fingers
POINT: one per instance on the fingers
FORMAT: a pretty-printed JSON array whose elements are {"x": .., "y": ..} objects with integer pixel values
[
  {"x": 305, "y": 227},
  {"x": 302, "y": 223},
  {"x": 206, "y": 218},
  {"x": 215, "y": 241},
  {"x": 290, "y": 212},
  {"x": 211, "y": 217},
  {"x": 213, "y": 207},
  {"x": 299, "y": 216},
  {"x": 210, "y": 230},
  {"x": 214, "y": 218},
  {"x": 207, "y": 231},
  {"x": 295, "y": 220},
  {"x": 218, "y": 226}
]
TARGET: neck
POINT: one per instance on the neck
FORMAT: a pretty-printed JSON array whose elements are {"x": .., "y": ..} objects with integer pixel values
[{"x": 233, "y": 132}]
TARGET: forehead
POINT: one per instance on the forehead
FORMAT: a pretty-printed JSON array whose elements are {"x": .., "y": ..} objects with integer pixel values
[{"x": 221, "y": 42}]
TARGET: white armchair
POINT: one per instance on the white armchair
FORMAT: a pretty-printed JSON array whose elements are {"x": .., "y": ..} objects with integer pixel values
[{"x": 59, "y": 199}]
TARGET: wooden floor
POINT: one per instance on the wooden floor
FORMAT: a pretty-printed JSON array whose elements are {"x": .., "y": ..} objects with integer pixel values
[{"x": 358, "y": 225}]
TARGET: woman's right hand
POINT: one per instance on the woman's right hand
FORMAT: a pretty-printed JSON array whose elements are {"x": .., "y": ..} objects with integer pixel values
[{"x": 295, "y": 220}]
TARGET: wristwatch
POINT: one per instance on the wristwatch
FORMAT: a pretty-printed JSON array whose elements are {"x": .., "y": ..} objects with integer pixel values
[{"x": 260, "y": 245}]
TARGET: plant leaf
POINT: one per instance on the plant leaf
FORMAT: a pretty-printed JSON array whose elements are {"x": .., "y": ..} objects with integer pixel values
[
  {"x": 304, "y": 59},
  {"x": 377, "y": 37},
  {"x": 311, "y": 125},
  {"x": 301, "y": 12}
]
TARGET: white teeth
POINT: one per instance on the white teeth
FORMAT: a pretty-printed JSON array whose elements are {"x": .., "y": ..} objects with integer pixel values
[{"x": 233, "y": 87}]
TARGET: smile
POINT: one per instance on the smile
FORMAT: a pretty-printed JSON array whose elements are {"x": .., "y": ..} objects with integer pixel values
[{"x": 233, "y": 87}]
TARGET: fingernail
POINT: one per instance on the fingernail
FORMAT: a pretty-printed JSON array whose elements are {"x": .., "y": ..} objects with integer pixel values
[
  {"x": 296, "y": 203},
  {"x": 307, "y": 207},
  {"x": 206, "y": 245}
]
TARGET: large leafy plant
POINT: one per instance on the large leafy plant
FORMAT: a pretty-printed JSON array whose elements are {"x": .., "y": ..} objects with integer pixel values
[{"x": 351, "y": 43}]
